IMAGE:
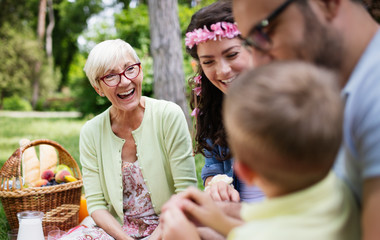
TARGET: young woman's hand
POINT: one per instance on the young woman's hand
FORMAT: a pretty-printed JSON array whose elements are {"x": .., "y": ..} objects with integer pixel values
[{"x": 222, "y": 191}]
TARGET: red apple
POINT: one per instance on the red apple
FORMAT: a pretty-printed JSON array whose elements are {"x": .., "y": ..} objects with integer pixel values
[{"x": 47, "y": 174}]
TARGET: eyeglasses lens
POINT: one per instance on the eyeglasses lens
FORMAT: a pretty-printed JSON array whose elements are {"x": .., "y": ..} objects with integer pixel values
[
  {"x": 260, "y": 40},
  {"x": 130, "y": 72}
]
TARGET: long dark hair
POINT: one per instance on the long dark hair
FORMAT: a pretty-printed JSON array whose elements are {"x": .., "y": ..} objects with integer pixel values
[{"x": 209, "y": 122}]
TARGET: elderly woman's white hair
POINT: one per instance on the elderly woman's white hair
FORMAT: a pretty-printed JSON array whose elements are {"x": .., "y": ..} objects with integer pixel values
[{"x": 105, "y": 56}]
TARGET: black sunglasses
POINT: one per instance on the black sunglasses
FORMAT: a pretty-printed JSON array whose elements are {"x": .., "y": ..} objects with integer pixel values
[{"x": 257, "y": 38}]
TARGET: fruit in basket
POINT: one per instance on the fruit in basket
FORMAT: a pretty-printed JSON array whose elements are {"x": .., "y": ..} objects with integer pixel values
[
  {"x": 51, "y": 183},
  {"x": 41, "y": 182},
  {"x": 63, "y": 167},
  {"x": 47, "y": 174},
  {"x": 69, "y": 178},
  {"x": 60, "y": 176}
]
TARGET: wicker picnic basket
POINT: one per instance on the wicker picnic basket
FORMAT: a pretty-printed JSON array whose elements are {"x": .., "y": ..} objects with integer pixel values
[{"x": 59, "y": 203}]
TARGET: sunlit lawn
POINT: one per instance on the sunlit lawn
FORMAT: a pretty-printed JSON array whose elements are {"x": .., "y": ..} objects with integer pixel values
[{"x": 63, "y": 131}]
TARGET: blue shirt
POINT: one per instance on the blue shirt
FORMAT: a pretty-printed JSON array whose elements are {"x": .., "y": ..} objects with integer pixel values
[{"x": 360, "y": 153}]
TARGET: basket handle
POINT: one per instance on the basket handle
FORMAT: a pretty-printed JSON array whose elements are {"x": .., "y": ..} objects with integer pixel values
[
  {"x": 11, "y": 170},
  {"x": 12, "y": 167}
]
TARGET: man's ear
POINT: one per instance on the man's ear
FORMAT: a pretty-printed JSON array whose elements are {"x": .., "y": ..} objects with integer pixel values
[
  {"x": 245, "y": 173},
  {"x": 329, "y": 8}
]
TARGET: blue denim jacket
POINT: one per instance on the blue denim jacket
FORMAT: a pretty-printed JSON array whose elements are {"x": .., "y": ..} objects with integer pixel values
[{"x": 213, "y": 166}]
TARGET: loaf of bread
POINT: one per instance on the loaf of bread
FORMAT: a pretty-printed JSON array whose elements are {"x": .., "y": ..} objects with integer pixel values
[
  {"x": 48, "y": 157},
  {"x": 30, "y": 164}
]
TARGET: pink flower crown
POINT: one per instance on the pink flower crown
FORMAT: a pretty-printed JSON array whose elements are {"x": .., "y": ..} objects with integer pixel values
[{"x": 219, "y": 30}]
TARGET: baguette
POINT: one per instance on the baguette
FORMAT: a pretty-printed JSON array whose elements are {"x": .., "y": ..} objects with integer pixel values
[
  {"x": 30, "y": 164},
  {"x": 48, "y": 158}
]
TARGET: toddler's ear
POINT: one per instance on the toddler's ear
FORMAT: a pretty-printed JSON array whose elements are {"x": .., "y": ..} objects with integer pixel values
[{"x": 245, "y": 173}]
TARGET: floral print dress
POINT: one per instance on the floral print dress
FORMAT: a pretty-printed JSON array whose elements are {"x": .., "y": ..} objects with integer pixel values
[{"x": 140, "y": 220}]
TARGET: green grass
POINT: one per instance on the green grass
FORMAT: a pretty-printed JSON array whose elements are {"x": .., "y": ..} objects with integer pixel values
[{"x": 63, "y": 131}]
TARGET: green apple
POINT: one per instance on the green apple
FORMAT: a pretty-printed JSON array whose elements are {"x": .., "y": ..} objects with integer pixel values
[{"x": 63, "y": 167}]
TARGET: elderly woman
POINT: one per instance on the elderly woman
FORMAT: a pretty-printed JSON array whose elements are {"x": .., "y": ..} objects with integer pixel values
[{"x": 135, "y": 154}]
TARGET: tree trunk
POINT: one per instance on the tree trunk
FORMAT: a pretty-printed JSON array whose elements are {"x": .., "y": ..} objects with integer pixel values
[
  {"x": 49, "y": 33},
  {"x": 165, "y": 34},
  {"x": 37, "y": 67},
  {"x": 41, "y": 20}
]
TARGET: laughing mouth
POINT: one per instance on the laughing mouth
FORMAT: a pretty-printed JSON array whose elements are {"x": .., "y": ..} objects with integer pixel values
[
  {"x": 127, "y": 94},
  {"x": 228, "y": 80}
]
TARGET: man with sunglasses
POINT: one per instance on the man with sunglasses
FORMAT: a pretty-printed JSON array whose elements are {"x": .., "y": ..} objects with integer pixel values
[{"x": 340, "y": 35}]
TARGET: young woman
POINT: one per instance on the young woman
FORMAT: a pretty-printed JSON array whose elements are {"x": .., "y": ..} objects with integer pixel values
[{"x": 212, "y": 40}]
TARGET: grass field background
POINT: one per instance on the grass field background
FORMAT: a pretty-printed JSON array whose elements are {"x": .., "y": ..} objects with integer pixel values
[{"x": 65, "y": 131}]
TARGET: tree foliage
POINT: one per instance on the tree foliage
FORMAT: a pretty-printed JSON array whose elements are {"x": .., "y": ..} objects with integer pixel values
[
  {"x": 17, "y": 12},
  {"x": 19, "y": 50},
  {"x": 71, "y": 21},
  {"x": 21, "y": 47},
  {"x": 132, "y": 25}
]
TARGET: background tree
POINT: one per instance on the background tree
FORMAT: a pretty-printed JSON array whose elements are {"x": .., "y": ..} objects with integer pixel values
[
  {"x": 38, "y": 64},
  {"x": 19, "y": 51},
  {"x": 166, "y": 49},
  {"x": 132, "y": 25},
  {"x": 62, "y": 84},
  {"x": 66, "y": 21},
  {"x": 71, "y": 20}
]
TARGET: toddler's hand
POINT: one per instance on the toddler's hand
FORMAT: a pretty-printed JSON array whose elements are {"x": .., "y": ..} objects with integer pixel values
[{"x": 222, "y": 191}]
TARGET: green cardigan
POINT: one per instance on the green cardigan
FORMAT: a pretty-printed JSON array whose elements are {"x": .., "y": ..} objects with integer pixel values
[{"x": 164, "y": 152}]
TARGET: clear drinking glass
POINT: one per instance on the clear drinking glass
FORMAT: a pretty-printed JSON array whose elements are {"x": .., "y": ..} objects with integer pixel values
[
  {"x": 55, "y": 234},
  {"x": 30, "y": 225},
  {"x": 12, "y": 235},
  {"x": 49, "y": 228}
]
